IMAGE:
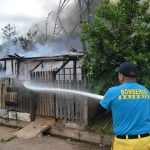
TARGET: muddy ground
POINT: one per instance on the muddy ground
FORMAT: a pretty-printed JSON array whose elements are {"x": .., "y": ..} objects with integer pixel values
[{"x": 9, "y": 142}]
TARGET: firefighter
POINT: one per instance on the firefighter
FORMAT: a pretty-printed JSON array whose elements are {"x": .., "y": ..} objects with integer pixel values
[{"x": 130, "y": 106}]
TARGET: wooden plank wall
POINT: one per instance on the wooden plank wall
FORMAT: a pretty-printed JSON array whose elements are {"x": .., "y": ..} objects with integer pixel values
[
  {"x": 45, "y": 101},
  {"x": 23, "y": 97},
  {"x": 69, "y": 106},
  {"x": 45, "y": 104},
  {"x": 59, "y": 105},
  {"x": 25, "y": 100},
  {"x": 42, "y": 75},
  {"x": 4, "y": 94},
  {"x": 62, "y": 106}
]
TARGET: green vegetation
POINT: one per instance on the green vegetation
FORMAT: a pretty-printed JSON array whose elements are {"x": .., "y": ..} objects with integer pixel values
[
  {"x": 102, "y": 124},
  {"x": 119, "y": 32},
  {"x": 7, "y": 140}
]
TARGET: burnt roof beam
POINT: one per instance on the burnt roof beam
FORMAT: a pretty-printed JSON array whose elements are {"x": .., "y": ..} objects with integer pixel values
[
  {"x": 37, "y": 66},
  {"x": 63, "y": 65}
]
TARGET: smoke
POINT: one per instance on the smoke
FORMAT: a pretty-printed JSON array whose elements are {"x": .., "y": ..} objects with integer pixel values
[
  {"x": 46, "y": 44},
  {"x": 69, "y": 18},
  {"x": 57, "y": 47},
  {"x": 9, "y": 48},
  {"x": 3, "y": 74}
]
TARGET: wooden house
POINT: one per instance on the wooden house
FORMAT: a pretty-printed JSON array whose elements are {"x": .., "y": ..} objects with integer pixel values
[{"x": 65, "y": 71}]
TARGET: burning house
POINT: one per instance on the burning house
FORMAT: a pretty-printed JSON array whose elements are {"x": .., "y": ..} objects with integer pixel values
[
  {"x": 64, "y": 71},
  {"x": 26, "y": 68}
]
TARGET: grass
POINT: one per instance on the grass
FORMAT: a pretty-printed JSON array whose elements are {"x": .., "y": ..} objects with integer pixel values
[
  {"x": 7, "y": 140},
  {"x": 102, "y": 124}
]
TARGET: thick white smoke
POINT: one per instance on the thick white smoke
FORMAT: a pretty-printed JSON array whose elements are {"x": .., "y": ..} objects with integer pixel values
[
  {"x": 9, "y": 48},
  {"x": 69, "y": 16},
  {"x": 60, "y": 46},
  {"x": 54, "y": 48}
]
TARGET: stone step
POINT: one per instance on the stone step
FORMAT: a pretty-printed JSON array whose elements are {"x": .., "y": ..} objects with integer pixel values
[{"x": 35, "y": 128}]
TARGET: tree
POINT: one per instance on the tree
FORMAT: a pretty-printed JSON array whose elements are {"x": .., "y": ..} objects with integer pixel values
[
  {"x": 119, "y": 32},
  {"x": 9, "y": 33},
  {"x": 12, "y": 42},
  {"x": 27, "y": 40}
]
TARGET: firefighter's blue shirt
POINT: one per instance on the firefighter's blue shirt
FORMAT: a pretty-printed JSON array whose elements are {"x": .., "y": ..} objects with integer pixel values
[{"x": 130, "y": 105}]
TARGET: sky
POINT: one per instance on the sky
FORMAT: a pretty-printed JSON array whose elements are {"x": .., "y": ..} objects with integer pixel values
[{"x": 24, "y": 13}]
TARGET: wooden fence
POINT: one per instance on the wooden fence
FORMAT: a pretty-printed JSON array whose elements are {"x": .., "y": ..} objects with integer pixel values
[
  {"x": 5, "y": 94},
  {"x": 62, "y": 106}
]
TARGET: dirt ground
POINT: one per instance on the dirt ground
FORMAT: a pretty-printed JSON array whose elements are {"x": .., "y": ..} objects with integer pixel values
[{"x": 8, "y": 142}]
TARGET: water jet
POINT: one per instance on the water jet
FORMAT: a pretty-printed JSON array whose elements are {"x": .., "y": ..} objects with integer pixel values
[{"x": 31, "y": 86}]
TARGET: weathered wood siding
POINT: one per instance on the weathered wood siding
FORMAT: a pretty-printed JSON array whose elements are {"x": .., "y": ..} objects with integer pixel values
[
  {"x": 4, "y": 94},
  {"x": 68, "y": 107}
]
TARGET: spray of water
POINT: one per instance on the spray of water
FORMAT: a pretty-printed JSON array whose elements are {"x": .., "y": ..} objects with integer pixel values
[
  {"x": 8, "y": 75},
  {"x": 33, "y": 87}
]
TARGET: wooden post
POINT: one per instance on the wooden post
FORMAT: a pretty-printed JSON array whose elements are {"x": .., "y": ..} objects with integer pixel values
[
  {"x": 12, "y": 66},
  {"x": 5, "y": 63},
  {"x": 31, "y": 75},
  {"x": 85, "y": 113},
  {"x": 18, "y": 68},
  {"x": 74, "y": 71}
]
